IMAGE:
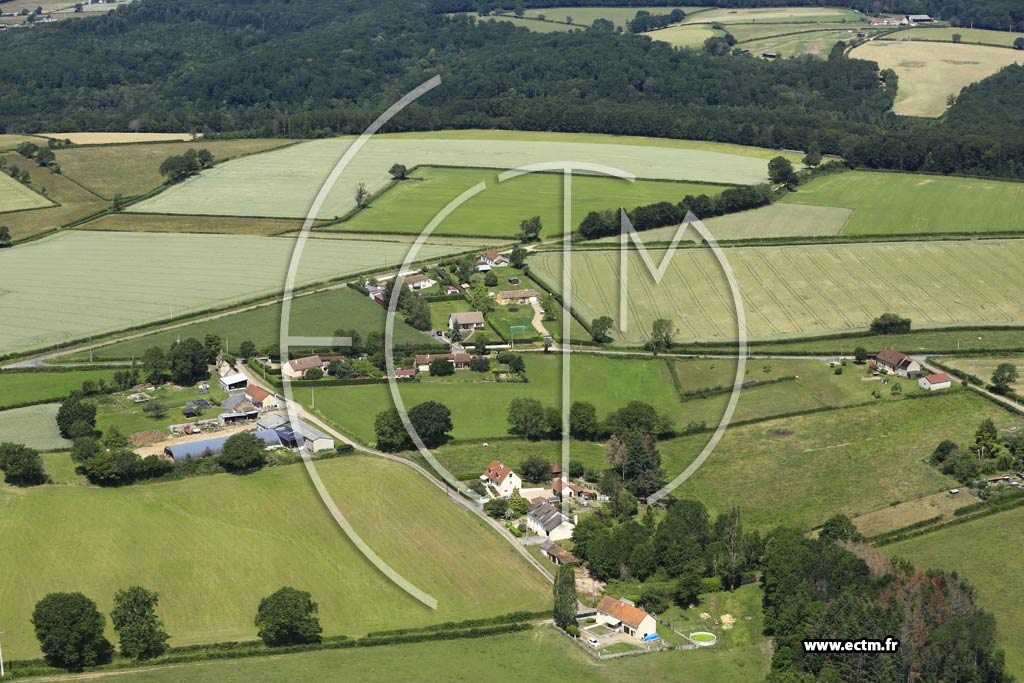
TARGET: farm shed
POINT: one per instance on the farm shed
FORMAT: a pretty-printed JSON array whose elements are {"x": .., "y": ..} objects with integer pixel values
[
  {"x": 935, "y": 382},
  {"x": 206, "y": 447},
  {"x": 234, "y": 382}
]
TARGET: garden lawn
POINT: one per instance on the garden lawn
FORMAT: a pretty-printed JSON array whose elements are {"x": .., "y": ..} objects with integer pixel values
[
  {"x": 282, "y": 183},
  {"x": 908, "y": 203},
  {"x": 314, "y": 315},
  {"x": 497, "y": 211},
  {"x": 213, "y": 546},
  {"x": 441, "y": 310},
  {"x": 19, "y": 388},
  {"x": 986, "y": 552},
  {"x": 78, "y": 284},
  {"x": 34, "y": 426}
]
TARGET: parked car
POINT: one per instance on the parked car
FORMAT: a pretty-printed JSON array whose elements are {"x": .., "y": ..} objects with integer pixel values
[{"x": 592, "y": 642}]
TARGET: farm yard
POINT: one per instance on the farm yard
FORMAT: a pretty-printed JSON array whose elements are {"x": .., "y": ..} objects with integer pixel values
[
  {"x": 930, "y": 73},
  {"x": 238, "y": 552},
  {"x": 795, "y": 291},
  {"x": 905, "y": 203},
  {"x": 985, "y": 552},
  {"x": 313, "y": 315},
  {"x": 33, "y": 426},
  {"x": 132, "y": 170},
  {"x": 75, "y": 284},
  {"x": 17, "y": 197},
  {"x": 282, "y": 183},
  {"x": 497, "y": 211}
]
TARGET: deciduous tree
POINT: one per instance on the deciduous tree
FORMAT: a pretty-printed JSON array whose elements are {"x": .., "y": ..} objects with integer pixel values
[
  {"x": 139, "y": 629},
  {"x": 70, "y": 631},
  {"x": 288, "y": 617}
]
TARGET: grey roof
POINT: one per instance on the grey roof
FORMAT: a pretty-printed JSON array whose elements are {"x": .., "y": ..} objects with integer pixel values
[
  {"x": 467, "y": 318},
  {"x": 198, "y": 449},
  {"x": 232, "y": 401},
  {"x": 272, "y": 420},
  {"x": 546, "y": 515}
]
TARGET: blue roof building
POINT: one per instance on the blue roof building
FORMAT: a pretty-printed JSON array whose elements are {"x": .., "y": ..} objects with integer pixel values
[{"x": 199, "y": 449}]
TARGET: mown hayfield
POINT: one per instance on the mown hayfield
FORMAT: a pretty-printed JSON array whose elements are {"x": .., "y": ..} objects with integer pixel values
[
  {"x": 102, "y": 138},
  {"x": 984, "y": 367},
  {"x": 33, "y": 426},
  {"x": 907, "y": 203},
  {"x": 967, "y": 35},
  {"x": 794, "y": 291},
  {"x": 798, "y": 471},
  {"x": 748, "y": 32},
  {"x": 911, "y": 512},
  {"x": 930, "y": 72},
  {"x": 685, "y": 35},
  {"x": 18, "y": 388},
  {"x": 775, "y": 220},
  {"x": 12, "y": 140},
  {"x": 987, "y": 553},
  {"x": 131, "y": 170},
  {"x": 158, "y": 222},
  {"x": 817, "y": 43},
  {"x": 583, "y": 17},
  {"x": 920, "y": 341},
  {"x": 247, "y": 536},
  {"x": 315, "y": 315},
  {"x": 15, "y": 196},
  {"x": 282, "y": 183},
  {"x": 78, "y": 284},
  {"x": 75, "y": 202},
  {"x": 497, "y": 211},
  {"x": 779, "y": 15},
  {"x": 537, "y": 653}
]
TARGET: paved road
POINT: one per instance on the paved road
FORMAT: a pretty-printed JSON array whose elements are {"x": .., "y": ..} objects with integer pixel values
[{"x": 454, "y": 496}]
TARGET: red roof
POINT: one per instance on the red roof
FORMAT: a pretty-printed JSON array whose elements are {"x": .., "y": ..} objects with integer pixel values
[
  {"x": 938, "y": 377},
  {"x": 891, "y": 357},
  {"x": 257, "y": 394},
  {"x": 497, "y": 471},
  {"x": 627, "y": 614}
]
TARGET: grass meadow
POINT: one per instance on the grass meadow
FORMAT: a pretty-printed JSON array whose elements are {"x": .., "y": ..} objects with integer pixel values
[
  {"x": 987, "y": 553},
  {"x": 132, "y": 170},
  {"x": 313, "y": 315},
  {"x": 685, "y": 35},
  {"x": 817, "y": 43},
  {"x": 17, "y": 197},
  {"x": 34, "y": 426},
  {"x": 17, "y": 388},
  {"x": 12, "y": 140},
  {"x": 985, "y": 366},
  {"x": 748, "y": 32},
  {"x": 918, "y": 341},
  {"x": 159, "y": 222},
  {"x": 907, "y": 203},
  {"x": 283, "y": 182},
  {"x": 793, "y": 291},
  {"x": 497, "y": 211},
  {"x": 74, "y": 201},
  {"x": 776, "y": 15},
  {"x": 583, "y": 17},
  {"x": 245, "y": 537},
  {"x": 532, "y": 654},
  {"x": 967, "y": 35},
  {"x": 930, "y": 73},
  {"x": 89, "y": 283}
]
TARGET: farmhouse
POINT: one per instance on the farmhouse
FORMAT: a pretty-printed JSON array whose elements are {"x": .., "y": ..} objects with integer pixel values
[
  {"x": 234, "y": 382},
  {"x": 459, "y": 360},
  {"x": 471, "y": 320},
  {"x": 896, "y": 363},
  {"x": 935, "y": 382},
  {"x": 624, "y": 616},
  {"x": 885, "y": 21},
  {"x": 544, "y": 519},
  {"x": 200, "y": 449},
  {"x": 517, "y": 296},
  {"x": 557, "y": 554},
  {"x": 502, "y": 478},
  {"x": 419, "y": 281},
  {"x": 261, "y": 398},
  {"x": 298, "y": 367},
  {"x": 567, "y": 489},
  {"x": 919, "y": 19},
  {"x": 493, "y": 259}
]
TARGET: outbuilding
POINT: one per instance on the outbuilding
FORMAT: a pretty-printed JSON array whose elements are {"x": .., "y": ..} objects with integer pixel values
[
  {"x": 206, "y": 447},
  {"x": 939, "y": 380},
  {"x": 234, "y": 382}
]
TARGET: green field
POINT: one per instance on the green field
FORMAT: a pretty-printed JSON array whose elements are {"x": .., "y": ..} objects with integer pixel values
[
  {"x": 967, "y": 35},
  {"x": 906, "y": 203},
  {"x": 536, "y": 655},
  {"x": 777, "y": 15},
  {"x": 17, "y": 197},
  {"x": 801, "y": 290},
  {"x": 213, "y": 546},
  {"x": 282, "y": 183},
  {"x": 33, "y": 426},
  {"x": 88, "y": 283},
  {"x": 775, "y": 220},
  {"x": 160, "y": 222},
  {"x": 497, "y": 211},
  {"x": 131, "y": 418},
  {"x": 685, "y": 35},
  {"x": 921, "y": 341},
  {"x": 798, "y": 471},
  {"x": 316, "y": 315},
  {"x": 987, "y": 553},
  {"x": 930, "y": 73},
  {"x": 984, "y": 367},
  {"x": 817, "y": 43},
  {"x": 17, "y": 388},
  {"x": 135, "y": 169},
  {"x": 583, "y": 17},
  {"x": 748, "y": 32}
]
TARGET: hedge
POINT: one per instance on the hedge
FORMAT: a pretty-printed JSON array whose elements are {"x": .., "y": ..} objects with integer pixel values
[{"x": 959, "y": 520}]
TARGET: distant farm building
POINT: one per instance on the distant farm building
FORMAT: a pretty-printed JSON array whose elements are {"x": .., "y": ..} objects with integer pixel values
[
  {"x": 896, "y": 363},
  {"x": 468, "y": 320},
  {"x": 770, "y": 55},
  {"x": 935, "y": 382},
  {"x": 920, "y": 19},
  {"x": 234, "y": 382},
  {"x": 517, "y": 296},
  {"x": 557, "y": 554}
]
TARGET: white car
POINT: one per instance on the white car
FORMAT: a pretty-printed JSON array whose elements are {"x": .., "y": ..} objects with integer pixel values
[{"x": 592, "y": 642}]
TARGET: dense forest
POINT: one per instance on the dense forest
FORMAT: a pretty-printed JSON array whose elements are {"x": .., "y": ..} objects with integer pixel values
[{"x": 313, "y": 68}]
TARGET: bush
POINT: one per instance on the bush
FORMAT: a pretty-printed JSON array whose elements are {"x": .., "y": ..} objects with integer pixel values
[{"x": 441, "y": 367}]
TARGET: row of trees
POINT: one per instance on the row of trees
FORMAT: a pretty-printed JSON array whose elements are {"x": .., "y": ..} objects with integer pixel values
[
  {"x": 180, "y": 166},
  {"x": 528, "y": 418},
  {"x": 71, "y": 629},
  {"x": 185, "y": 362},
  {"x": 645, "y": 21},
  {"x": 431, "y": 420}
]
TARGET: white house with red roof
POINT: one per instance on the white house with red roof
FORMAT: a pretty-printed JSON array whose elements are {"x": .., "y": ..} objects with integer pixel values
[
  {"x": 625, "y": 617},
  {"x": 261, "y": 398},
  {"x": 502, "y": 478},
  {"x": 493, "y": 259},
  {"x": 939, "y": 380},
  {"x": 896, "y": 363}
]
